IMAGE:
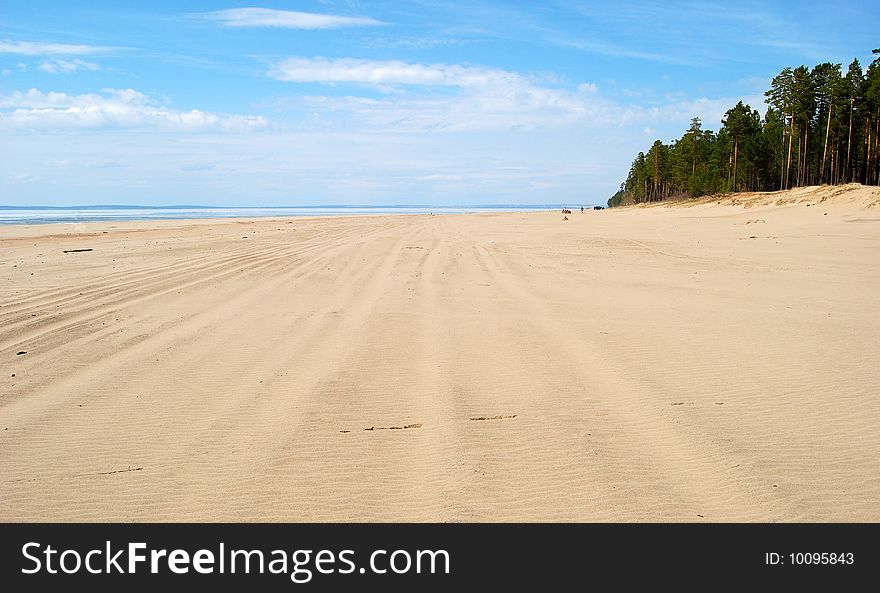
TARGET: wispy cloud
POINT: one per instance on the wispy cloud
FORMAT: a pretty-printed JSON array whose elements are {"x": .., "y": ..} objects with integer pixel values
[
  {"x": 686, "y": 32},
  {"x": 36, "y": 48},
  {"x": 482, "y": 98},
  {"x": 486, "y": 109},
  {"x": 801, "y": 48},
  {"x": 609, "y": 49},
  {"x": 416, "y": 43},
  {"x": 66, "y": 66},
  {"x": 115, "y": 109},
  {"x": 285, "y": 19},
  {"x": 388, "y": 72}
]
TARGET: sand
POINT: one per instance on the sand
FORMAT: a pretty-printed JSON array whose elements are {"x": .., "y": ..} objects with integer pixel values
[{"x": 715, "y": 361}]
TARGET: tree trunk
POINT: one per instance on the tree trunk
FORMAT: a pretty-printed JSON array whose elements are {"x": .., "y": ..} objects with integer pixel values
[
  {"x": 805, "y": 168},
  {"x": 729, "y": 168},
  {"x": 782, "y": 158},
  {"x": 832, "y": 173},
  {"x": 735, "y": 150},
  {"x": 847, "y": 170},
  {"x": 877, "y": 148},
  {"x": 837, "y": 171},
  {"x": 788, "y": 165},
  {"x": 827, "y": 131}
]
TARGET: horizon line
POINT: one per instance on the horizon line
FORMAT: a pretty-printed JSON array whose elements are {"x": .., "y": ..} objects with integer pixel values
[{"x": 212, "y": 207}]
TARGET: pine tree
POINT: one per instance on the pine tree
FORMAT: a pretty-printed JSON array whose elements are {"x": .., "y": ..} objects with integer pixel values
[
  {"x": 854, "y": 78},
  {"x": 826, "y": 80},
  {"x": 780, "y": 97},
  {"x": 832, "y": 120}
]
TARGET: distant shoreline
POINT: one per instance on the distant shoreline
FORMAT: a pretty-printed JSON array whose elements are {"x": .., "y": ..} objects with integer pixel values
[{"x": 12, "y": 215}]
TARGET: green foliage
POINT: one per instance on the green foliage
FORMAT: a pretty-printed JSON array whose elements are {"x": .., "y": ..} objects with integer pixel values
[{"x": 820, "y": 127}]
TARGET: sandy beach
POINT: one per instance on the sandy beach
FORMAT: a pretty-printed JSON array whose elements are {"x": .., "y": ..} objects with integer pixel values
[{"x": 715, "y": 361}]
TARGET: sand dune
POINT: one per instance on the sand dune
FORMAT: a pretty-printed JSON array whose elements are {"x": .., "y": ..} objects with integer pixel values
[{"x": 704, "y": 362}]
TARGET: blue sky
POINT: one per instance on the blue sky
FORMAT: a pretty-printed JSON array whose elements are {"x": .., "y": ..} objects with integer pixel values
[{"x": 379, "y": 102}]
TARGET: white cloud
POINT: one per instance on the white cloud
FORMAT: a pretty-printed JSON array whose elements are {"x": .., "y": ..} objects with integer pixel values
[
  {"x": 23, "y": 178},
  {"x": 477, "y": 98},
  {"x": 588, "y": 88},
  {"x": 514, "y": 108},
  {"x": 482, "y": 98},
  {"x": 115, "y": 109},
  {"x": 413, "y": 42},
  {"x": 388, "y": 72},
  {"x": 710, "y": 111},
  {"x": 608, "y": 49},
  {"x": 286, "y": 19},
  {"x": 66, "y": 66},
  {"x": 35, "y": 48}
]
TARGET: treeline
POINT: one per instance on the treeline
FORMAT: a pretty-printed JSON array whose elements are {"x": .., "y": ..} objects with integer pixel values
[{"x": 821, "y": 126}]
